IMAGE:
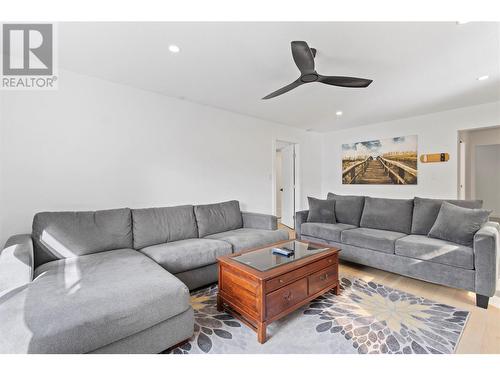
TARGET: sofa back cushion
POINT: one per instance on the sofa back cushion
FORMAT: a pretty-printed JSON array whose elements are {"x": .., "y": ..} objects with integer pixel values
[
  {"x": 59, "y": 235},
  {"x": 218, "y": 217},
  {"x": 426, "y": 211},
  {"x": 387, "y": 214},
  {"x": 348, "y": 208},
  {"x": 153, "y": 226}
]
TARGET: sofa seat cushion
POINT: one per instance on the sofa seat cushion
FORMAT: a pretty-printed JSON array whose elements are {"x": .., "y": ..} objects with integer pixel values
[
  {"x": 185, "y": 255},
  {"x": 248, "y": 238},
  {"x": 435, "y": 250},
  {"x": 80, "y": 304},
  {"x": 329, "y": 232},
  {"x": 374, "y": 239}
]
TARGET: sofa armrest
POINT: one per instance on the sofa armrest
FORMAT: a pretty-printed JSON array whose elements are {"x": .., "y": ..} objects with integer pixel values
[
  {"x": 16, "y": 262},
  {"x": 259, "y": 221},
  {"x": 300, "y": 218},
  {"x": 486, "y": 258}
]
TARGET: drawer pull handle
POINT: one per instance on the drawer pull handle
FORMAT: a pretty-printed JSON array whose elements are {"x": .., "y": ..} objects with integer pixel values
[
  {"x": 330, "y": 260},
  {"x": 323, "y": 277},
  {"x": 288, "y": 296},
  {"x": 282, "y": 281}
]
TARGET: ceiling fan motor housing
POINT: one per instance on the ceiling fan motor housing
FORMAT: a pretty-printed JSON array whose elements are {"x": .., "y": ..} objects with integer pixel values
[{"x": 312, "y": 77}]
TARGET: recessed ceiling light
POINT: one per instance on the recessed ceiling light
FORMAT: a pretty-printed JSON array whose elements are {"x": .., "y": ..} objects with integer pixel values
[
  {"x": 482, "y": 78},
  {"x": 173, "y": 48},
  {"x": 339, "y": 113},
  {"x": 462, "y": 22}
]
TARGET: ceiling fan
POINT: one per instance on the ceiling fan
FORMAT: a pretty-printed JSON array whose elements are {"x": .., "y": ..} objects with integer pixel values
[{"x": 304, "y": 59}]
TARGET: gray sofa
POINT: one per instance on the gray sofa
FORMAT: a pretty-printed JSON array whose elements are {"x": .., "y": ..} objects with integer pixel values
[
  {"x": 391, "y": 234},
  {"x": 117, "y": 281}
]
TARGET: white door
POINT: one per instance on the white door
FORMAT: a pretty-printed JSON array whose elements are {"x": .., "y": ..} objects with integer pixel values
[
  {"x": 279, "y": 184},
  {"x": 288, "y": 185}
]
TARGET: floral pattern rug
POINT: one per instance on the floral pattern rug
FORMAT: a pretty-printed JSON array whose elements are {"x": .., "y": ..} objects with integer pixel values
[{"x": 365, "y": 318}]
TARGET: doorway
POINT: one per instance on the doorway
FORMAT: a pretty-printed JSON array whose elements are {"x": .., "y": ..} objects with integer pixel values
[
  {"x": 285, "y": 178},
  {"x": 487, "y": 177},
  {"x": 479, "y": 166}
]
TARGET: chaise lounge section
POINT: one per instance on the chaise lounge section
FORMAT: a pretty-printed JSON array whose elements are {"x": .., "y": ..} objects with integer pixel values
[
  {"x": 392, "y": 235},
  {"x": 116, "y": 281}
]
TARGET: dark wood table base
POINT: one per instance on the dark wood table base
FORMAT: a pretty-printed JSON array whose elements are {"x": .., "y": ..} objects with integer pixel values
[{"x": 260, "y": 297}]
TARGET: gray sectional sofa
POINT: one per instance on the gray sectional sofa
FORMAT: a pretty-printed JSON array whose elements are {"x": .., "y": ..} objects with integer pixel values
[
  {"x": 392, "y": 235},
  {"x": 117, "y": 281}
]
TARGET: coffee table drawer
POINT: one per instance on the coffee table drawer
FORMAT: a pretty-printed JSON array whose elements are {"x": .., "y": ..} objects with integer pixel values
[
  {"x": 282, "y": 280},
  {"x": 322, "y": 279},
  {"x": 281, "y": 299}
]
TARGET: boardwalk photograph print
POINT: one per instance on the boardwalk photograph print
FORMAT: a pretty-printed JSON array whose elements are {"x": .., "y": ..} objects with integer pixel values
[{"x": 381, "y": 162}]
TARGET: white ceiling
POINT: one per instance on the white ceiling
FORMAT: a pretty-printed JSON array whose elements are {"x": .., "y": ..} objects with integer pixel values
[{"x": 417, "y": 68}]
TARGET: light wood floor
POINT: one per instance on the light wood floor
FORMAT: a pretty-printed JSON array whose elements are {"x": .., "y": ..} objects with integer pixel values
[{"x": 482, "y": 332}]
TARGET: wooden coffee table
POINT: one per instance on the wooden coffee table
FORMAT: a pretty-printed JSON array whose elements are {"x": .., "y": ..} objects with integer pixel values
[{"x": 260, "y": 287}]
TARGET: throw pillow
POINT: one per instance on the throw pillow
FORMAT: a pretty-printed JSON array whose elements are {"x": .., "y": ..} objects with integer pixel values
[
  {"x": 321, "y": 211},
  {"x": 426, "y": 211},
  {"x": 458, "y": 224},
  {"x": 348, "y": 208}
]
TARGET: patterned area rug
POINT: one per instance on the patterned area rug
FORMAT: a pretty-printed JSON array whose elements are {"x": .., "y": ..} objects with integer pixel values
[{"x": 365, "y": 318}]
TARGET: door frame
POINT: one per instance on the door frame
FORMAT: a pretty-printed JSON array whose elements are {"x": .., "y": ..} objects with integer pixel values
[
  {"x": 297, "y": 200},
  {"x": 462, "y": 168}
]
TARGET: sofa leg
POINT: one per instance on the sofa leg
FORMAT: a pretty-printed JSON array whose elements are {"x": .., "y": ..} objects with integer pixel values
[{"x": 482, "y": 301}]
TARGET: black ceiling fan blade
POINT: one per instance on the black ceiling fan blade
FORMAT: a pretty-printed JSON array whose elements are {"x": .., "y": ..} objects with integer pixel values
[
  {"x": 345, "y": 81},
  {"x": 284, "y": 89},
  {"x": 303, "y": 57}
]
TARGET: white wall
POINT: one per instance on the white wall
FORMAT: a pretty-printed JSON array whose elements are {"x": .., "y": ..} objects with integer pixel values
[
  {"x": 93, "y": 144},
  {"x": 487, "y": 177},
  {"x": 437, "y": 132}
]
